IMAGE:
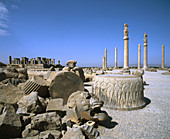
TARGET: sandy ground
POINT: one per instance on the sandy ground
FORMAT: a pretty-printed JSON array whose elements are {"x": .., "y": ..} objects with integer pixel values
[{"x": 151, "y": 122}]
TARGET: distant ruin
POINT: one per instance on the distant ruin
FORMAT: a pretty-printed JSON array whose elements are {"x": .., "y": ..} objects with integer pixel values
[{"x": 33, "y": 62}]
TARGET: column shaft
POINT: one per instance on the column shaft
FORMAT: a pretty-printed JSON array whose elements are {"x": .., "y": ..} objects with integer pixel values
[
  {"x": 115, "y": 57},
  {"x": 105, "y": 58},
  {"x": 139, "y": 56},
  {"x": 126, "y": 57},
  {"x": 103, "y": 62},
  {"x": 163, "y": 56}
]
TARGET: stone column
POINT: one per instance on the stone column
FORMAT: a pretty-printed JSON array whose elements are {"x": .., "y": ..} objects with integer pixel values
[
  {"x": 103, "y": 62},
  {"x": 53, "y": 61},
  {"x": 163, "y": 56},
  {"x": 139, "y": 57},
  {"x": 105, "y": 58},
  {"x": 145, "y": 64},
  {"x": 115, "y": 57},
  {"x": 126, "y": 49},
  {"x": 10, "y": 60}
]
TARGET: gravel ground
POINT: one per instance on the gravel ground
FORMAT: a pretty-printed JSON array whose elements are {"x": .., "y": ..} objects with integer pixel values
[{"x": 151, "y": 122}]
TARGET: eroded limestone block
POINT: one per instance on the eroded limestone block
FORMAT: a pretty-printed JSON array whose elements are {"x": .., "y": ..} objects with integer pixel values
[
  {"x": 55, "y": 105},
  {"x": 64, "y": 84},
  {"x": 30, "y": 104},
  {"x": 74, "y": 133},
  {"x": 123, "y": 92},
  {"x": 84, "y": 106},
  {"x": 55, "y": 134},
  {"x": 46, "y": 121},
  {"x": 10, "y": 125}
]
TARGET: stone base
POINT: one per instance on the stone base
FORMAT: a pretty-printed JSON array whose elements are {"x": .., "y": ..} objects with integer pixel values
[{"x": 122, "y": 92}]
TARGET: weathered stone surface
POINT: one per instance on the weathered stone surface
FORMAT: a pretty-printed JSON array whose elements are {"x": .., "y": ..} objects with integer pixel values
[
  {"x": 30, "y": 104},
  {"x": 90, "y": 131},
  {"x": 83, "y": 106},
  {"x": 55, "y": 134},
  {"x": 55, "y": 105},
  {"x": 71, "y": 63},
  {"x": 36, "y": 84},
  {"x": 28, "y": 132},
  {"x": 64, "y": 84},
  {"x": 11, "y": 69},
  {"x": 10, "y": 125},
  {"x": 166, "y": 73},
  {"x": 79, "y": 72},
  {"x": 73, "y": 133},
  {"x": 123, "y": 92},
  {"x": 46, "y": 121},
  {"x": 2, "y": 76},
  {"x": 10, "y": 94},
  {"x": 151, "y": 69},
  {"x": 138, "y": 73}
]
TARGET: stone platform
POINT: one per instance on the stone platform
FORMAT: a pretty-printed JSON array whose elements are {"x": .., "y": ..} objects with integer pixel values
[{"x": 123, "y": 92}]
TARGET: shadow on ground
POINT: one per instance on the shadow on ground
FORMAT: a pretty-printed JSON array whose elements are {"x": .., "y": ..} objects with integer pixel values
[
  {"x": 147, "y": 101},
  {"x": 108, "y": 123}
]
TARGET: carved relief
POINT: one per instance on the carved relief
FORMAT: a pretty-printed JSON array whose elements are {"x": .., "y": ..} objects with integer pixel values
[{"x": 119, "y": 93}]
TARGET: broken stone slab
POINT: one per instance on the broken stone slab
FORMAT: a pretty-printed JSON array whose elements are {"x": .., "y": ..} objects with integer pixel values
[
  {"x": 73, "y": 133},
  {"x": 64, "y": 84},
  {"x": 55, "y": 105},
  {"x": 46, "y": 121},
  {"x": 28, "y": 132},
  {"x": 55, "y": 134},
  {"x": 30, "y": 104},
  {"x": 10, "y": 94},
  {"x": 10, "y": 125}
]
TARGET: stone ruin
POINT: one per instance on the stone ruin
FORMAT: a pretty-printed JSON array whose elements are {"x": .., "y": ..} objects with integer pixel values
[
  {"x": 34, "y": 63},
  {"x": 124, "y": 92},
  {"x": 45, "y": 107}
]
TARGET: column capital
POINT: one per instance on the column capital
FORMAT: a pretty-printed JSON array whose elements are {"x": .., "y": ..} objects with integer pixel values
[
  {"x": 145, "y": 39},
  {"x": 126, "y": 31}
]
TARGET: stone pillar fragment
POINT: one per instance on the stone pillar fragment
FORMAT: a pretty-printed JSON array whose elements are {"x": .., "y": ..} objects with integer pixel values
[
  {"x": 53, "y": 61},
  {"x": 10, "y": 60},
  {"x": 103, "y": 62},
  {"x": 115, "y": 57},
  {"x": 105, "y": 58},
  {"x": 145, "y": 64},
  {"x": 126, "y": 43},
  {"x": 139, "y": 56},
  {"x": 39, "y": 60},
  {"x": 163, "y": 56}
]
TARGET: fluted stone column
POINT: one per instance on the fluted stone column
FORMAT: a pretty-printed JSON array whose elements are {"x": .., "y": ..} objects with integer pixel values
[
  {"x": 139, "y": 56},
  {"x": 145, "y": 64},
  {"x": 163, "y": 56},
  {"x": 103, "y": 62},
  {"x": 126, "y": 43},
  {"x": 115, "y": 57},
  {"x": 105, "y": 58}
]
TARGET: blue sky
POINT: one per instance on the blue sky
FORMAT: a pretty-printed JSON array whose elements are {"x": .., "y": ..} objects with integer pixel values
[{"x": 82, "y": 29}]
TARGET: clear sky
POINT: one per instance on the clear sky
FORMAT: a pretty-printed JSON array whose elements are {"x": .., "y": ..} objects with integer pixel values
[{"x": 82, "y": 29}]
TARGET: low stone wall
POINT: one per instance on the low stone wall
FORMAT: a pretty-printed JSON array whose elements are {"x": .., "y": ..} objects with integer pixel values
[{"x": 124, "y": 92}]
